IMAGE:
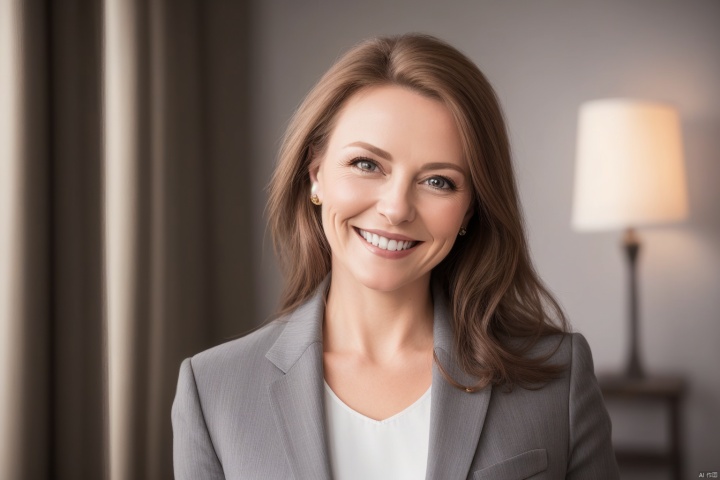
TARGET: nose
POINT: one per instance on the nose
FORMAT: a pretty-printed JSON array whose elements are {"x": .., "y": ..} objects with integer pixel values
[{"x": 396, "y": 203}]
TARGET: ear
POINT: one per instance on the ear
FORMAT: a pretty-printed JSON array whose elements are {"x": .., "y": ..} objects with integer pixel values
[
  {"x": 468, "y": 215},
  {"x": 314, "y": 172},
  {"x": 316, "y": 179}
]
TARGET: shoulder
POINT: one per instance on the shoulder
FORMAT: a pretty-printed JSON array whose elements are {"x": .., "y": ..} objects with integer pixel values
[
  {"x": 271, "y": 350},
  {"x": 558, "y": 348},
  {"x": 240, "y": 355},
  {"x": 568, "y": 351},
  {"x": 576, "y": 378},
  {"x": 569, "y": 348},
  {"x": 572, "y": 351}
]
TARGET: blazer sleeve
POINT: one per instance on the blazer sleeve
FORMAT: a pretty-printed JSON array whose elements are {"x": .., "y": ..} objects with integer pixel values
[
  {"x": 194, "y": 456},
  {"x": 591, "y": 454}
]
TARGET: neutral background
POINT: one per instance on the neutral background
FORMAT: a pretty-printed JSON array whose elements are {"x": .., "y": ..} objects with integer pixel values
[{"x": 545, "y": 59}]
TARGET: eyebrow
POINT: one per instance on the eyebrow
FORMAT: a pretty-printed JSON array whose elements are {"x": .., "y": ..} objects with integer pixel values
[
  {"x": 377, "y": 151},
  {"x": 386, "y": 155},
  {"x": 441, "y": 165}
]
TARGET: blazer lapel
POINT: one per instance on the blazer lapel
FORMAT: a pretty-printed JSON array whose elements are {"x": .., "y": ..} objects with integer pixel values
[
  {"x": 456, "y": 417},
  {"x": 297, "y": 397}
]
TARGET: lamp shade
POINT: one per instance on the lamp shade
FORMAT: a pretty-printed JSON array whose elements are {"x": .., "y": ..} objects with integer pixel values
[{"x": 629, "y": 165}]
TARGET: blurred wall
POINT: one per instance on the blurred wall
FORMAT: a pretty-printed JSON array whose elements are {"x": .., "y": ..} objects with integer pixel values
[{"x": 544, "y": 59}]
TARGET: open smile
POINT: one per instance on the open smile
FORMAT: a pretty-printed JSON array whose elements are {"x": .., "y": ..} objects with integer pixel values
[{"x": 390, "y": 243}]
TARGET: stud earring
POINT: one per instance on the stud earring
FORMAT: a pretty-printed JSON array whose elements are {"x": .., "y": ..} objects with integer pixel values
[
  {"x": 462, "y": 231},
  {"x": 313, "y": 195}
]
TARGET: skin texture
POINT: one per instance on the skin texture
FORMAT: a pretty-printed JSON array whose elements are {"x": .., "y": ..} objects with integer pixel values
[{"x": 378, "y": 320}]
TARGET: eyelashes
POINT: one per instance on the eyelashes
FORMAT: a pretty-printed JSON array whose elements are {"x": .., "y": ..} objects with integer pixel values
[
  {"x": 433, "y": 182},
  {"x": 368, "y": 166}
]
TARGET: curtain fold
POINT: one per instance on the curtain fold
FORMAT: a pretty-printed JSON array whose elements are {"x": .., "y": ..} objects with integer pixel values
[
  {"x": 124, "y": 223},
  {"x": 76, "y": 371},
  {"x": 26, "y": 230}
]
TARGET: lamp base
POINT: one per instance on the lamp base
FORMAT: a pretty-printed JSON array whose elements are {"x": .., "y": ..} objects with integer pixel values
[
  {"x": 631, "y": 245},
  {"x": 634, "y": 370}
]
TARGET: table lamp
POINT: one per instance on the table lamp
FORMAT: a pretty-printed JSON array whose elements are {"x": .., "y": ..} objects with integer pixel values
[{"x": 629, "y": 173}]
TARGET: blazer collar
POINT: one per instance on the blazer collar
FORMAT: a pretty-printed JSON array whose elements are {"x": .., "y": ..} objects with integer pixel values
[
  {"x": 304, "y": 328},
  {"x": 456, "y": 417},
  {"x": 296, "y": 398}
]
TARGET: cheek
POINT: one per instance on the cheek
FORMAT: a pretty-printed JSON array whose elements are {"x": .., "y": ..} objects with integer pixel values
[
  {"x": 346, "y": 188},
  {"x": 445, "y": 219},
  {"x": 345, "y": 198}
]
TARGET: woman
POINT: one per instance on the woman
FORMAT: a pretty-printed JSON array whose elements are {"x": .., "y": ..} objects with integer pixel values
[{"x": 414, "y": 338}]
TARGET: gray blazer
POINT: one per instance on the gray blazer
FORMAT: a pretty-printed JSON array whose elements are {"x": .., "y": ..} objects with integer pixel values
[{"x": 252, "y": 408}]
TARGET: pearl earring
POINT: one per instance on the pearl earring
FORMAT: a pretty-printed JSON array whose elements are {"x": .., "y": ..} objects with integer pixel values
[{"x": 313, "y": 195}]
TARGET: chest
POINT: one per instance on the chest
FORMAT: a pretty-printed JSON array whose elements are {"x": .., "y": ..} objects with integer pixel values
[{"x": 378, "y": 391}]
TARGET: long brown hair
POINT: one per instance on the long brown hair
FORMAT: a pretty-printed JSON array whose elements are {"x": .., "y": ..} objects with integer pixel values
[{"x": 495, "y": 294}]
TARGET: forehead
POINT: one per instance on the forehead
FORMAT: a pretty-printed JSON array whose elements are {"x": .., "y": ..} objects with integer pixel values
[{"x": 400, "y": 121}]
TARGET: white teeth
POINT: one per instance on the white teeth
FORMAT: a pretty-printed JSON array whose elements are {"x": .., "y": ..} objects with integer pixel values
[{"x": 386, "y": 243}]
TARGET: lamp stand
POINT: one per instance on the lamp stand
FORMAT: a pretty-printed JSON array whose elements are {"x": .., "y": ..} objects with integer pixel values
[{"x": 631, "y": 244}]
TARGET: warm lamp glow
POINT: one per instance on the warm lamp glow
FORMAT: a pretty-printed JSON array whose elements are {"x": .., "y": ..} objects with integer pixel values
[{"x": 629, "y": 169}]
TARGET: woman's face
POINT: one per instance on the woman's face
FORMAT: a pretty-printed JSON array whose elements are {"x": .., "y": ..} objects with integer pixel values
[{"x": 394, "y": 186}]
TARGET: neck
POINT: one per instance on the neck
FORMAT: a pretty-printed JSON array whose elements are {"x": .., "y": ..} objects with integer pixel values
[{"x": 375, "y": 324}]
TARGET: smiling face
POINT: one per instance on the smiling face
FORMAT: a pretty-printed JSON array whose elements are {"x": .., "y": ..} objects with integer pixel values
[{"x": 394, "y": 186}]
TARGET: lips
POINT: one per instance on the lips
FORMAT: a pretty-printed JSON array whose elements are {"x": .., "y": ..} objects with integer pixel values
[{"x": 387, "y": 241}]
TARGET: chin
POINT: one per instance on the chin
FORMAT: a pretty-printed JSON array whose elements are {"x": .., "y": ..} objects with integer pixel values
[{"x": 384, "y": 282}]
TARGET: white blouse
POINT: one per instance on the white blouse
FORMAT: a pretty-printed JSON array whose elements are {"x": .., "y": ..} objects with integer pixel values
[{"x": 360, "y": 448}]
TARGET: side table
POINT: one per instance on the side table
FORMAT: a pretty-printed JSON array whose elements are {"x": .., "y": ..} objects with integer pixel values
[{"x": 669, "y": 390}]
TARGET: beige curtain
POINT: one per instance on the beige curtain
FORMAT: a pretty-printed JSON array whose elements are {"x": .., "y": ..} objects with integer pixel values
[{"x": 124, "y": 208}]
